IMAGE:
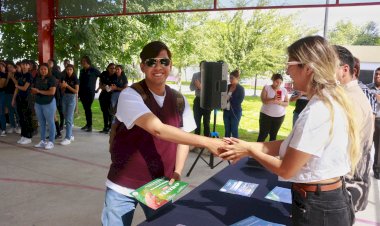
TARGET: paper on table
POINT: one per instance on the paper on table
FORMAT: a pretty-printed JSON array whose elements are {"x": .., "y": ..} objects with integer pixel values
[
  {"x": 280, "y": 194},
  {"x": 239, "y": 188}
]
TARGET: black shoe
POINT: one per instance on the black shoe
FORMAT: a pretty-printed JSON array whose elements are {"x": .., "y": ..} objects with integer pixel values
[
  {"x": 84, "y": 127},
  {"x": 105, "y": 130},
  {"x": 89, "y": 129},
  {"x": 58, "y": 136}
]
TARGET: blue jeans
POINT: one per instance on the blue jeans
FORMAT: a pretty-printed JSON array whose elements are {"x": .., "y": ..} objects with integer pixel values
[
  {"x": 114, "y": 99},
  {"x": 3, "y": 122},
  {"x": 231, "y": 121},
  {"x": 327, "y": 208},
  {"x": 118, "y": 209},
  {"x": 45, "y": 113},
  {"x": 68, "y": 107},
  {"x": 13, "y": 116}
]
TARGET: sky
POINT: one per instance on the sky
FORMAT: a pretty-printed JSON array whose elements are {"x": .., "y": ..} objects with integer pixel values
[{"x": 359, "y": 15}]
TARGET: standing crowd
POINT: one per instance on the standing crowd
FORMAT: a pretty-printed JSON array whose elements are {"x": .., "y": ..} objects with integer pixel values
[{"x": 46, "y": 98}]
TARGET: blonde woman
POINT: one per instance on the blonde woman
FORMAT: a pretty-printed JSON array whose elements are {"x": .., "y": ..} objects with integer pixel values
[{"x": 323, "y": 145}]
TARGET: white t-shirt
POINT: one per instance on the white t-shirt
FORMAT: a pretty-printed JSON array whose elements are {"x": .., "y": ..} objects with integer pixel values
[
  {"x": 130, "y": 107},
  {"x": 311, "y": 135},
  {"x": 274, "y": 110}
]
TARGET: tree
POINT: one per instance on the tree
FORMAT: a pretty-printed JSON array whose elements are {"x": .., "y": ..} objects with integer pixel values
[
  {"x": 346, "y": 33},
  {"x": 253, "y": 43}
]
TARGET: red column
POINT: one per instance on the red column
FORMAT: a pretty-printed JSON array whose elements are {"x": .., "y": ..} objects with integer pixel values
[{"x": 45, "y": 25}]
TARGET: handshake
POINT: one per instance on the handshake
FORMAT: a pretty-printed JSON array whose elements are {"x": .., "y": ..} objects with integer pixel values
[{"x": 229, "y": 148}]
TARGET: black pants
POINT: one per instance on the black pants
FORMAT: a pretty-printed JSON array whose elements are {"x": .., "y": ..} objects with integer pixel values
[
  {"x": 87, "y": 98},
  {"x": 198, "y": 114},
  {"x": 323, "y": 208},
  {"x": 269, "y": 125},
  {"x": 25, "y": 116},
  {"x": 105, "y": 106},
  {"x": 376, "y": 140},
  {"x": 60, "y": 111}
]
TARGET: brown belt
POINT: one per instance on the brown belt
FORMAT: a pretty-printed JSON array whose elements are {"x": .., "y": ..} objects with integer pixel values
[{"x": 303, "y": 188}]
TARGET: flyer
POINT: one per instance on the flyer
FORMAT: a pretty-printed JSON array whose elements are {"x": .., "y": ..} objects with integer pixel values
[
  {"x": 158, "y": 192},
  {"x": 280, "y": 194},
  {"x": 239, "y": 188},
  {"x": 255, "y": 221}
]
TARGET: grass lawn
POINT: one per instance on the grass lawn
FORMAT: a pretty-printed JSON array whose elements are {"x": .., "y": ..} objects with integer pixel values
[{"x": 248, "y": 128}]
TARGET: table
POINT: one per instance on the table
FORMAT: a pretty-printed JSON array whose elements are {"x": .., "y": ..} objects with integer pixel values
[{"x": 206, "y": 205}]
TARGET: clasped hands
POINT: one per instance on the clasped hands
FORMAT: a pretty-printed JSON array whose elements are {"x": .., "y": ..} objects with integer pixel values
[{"x": 229, "y": 148}]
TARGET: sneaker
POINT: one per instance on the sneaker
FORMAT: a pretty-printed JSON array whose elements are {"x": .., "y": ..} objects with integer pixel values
[
  {"x": 65, "y": 142},
  {"x": 49, "y": 145},
  {"x": 58, "y": 136},
  {"x": 72, "y": 138},
  {"x": 2, "y": 133},
  {"x": 89, "y": 129},
  {"x": 18, "y": 130},
  {"x": 42, "y": 144},
  {"x": 20, "y": 140},
  {"x": 26, "y": 141},
  {"x": 84, "y": 127},
  {"x": 11, "y": 130}
]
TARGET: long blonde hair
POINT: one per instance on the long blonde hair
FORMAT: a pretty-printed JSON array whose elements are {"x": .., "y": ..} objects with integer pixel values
[{"x": 320, "y": 56}]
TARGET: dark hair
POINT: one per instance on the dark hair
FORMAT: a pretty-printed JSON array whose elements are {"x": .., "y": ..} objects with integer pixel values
[
  {"x": 87, "y": 59},
  {"x": 25, "y": 61},
  {"x": 120, "y": 66},
  {"x": 277, "y": 76},
  {"x": 377, "y": 69},
  {"x": 109, "y": 65},
  {"x": 72, "y": 66},
  {"x": 44, "y": 65},
  {"x": 345, "y": 57},
  {"x": 66, "y": 60},
  {"x": 152, "y": 50},
  {"x": 357, "y": 66},
  {"x": 235, "y": 73},
  {"x": 12, "y": 64},
  {"x": 54, "y": 62}
]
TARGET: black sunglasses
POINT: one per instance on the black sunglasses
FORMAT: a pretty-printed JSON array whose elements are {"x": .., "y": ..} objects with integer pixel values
[{"x": 152, "y": 62}]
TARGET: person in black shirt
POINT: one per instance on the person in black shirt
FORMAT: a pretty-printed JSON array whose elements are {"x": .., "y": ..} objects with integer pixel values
[
  {"x": 88, "y": 76},
  {"x": 9, "y": 91},
  {"x": 21, "y": 96},
  {"x": 45, "y": 106},
  {"x": 70, "y": 88},
  {"x": 301, "y": 101},
  {"x": 119, "y": 82},
  {"x": 3, "y": 80},
  {"x": 54, "y": 68},
  {"x": 105, "y": 96}
]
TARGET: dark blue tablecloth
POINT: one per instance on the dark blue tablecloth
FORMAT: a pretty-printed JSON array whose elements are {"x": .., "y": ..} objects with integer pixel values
[{"x": 206, "y": 205}]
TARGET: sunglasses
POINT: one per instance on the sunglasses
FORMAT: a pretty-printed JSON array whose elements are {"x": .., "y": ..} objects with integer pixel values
[{"x": 152, "y": 62}]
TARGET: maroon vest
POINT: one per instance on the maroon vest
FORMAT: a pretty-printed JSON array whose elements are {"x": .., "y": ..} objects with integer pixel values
[{"x": 139, "y": 157}]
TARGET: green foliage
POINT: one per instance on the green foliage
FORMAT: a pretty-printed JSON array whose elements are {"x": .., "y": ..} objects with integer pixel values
[
  {"x": 254, "y": 42},
  {"x": 346, "y": 33},
  {"x": 18, "y": 41}
]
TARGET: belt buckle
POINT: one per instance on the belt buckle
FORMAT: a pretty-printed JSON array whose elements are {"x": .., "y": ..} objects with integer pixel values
[{"x": 301, "y": 191}]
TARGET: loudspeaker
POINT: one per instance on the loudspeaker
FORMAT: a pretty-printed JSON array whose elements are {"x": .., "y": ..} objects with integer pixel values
[{"x": 214, "y": 83}]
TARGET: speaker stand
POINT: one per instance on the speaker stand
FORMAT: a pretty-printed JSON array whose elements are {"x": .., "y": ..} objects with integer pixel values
[{"x": 211, "y": 162}]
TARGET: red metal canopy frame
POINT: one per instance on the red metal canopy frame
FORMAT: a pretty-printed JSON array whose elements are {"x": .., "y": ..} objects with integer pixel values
[{"x": 47, "y": 11}]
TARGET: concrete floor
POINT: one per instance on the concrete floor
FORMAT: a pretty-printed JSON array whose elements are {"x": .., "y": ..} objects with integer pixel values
[{"x": 65, "y": 186}]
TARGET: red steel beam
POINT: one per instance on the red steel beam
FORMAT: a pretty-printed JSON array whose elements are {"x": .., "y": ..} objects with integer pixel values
[
  {"x": 337, "y": 4},
  {"x": 45, "y": 26}
]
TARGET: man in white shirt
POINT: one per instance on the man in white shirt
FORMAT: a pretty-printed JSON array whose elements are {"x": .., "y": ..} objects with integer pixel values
[{"x": 357, "y": 184}]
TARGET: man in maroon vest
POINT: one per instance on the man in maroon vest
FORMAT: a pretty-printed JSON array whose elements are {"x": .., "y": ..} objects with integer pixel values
[{"x": 143, "y": 144}]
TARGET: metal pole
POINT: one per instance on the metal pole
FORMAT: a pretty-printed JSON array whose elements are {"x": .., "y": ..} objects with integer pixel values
[
  {"x": 326, "y": 20},
  {"x": 254, "y": 92}
]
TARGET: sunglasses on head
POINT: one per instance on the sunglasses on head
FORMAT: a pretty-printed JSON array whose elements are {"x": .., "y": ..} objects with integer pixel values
[{"x": 152, "y": 62}]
